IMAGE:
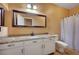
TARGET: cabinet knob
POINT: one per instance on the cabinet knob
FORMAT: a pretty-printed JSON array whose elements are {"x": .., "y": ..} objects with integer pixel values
[
  {"x": 34, "y": 41},
  {"x": 22, "y": 51},
  {"x": 50, "y": 38},
  {"x": 11, "y": 45},
  {"x": 43, "y": 46}
]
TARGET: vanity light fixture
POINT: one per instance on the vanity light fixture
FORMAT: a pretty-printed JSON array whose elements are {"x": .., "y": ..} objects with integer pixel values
[
  {"x": 31, "y": 6},
  {"x": 34, "y": 7}
]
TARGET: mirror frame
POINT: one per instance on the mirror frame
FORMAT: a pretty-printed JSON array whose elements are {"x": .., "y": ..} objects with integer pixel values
[
  {"x": 2, "y": 16},
  {"x": 16, "y": 11}
]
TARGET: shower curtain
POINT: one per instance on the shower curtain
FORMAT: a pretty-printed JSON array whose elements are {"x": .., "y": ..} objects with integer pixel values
[
  {"x": 76, "y": 33},
  {"x": 70, "y": 31}
]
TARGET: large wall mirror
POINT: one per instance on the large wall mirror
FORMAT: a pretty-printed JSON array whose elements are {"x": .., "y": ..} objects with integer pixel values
[
  {"x": 1, "y": 17},
  {"x": 25, "y": 19}
]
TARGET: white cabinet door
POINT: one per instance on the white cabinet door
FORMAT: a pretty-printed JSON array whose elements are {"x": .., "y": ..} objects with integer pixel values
[
  {"x": 49, "y": 46},
  {"x": 33, "y": 47},
  {"x": 11, "y": 48},
  {"x": 12, "y": 51}
]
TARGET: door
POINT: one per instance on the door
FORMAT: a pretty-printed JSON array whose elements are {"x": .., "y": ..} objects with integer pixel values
[
  {"x": 33, "y": 47},
  {"x": 49, "y": 46},
  {"x": 12, "y": 51}
]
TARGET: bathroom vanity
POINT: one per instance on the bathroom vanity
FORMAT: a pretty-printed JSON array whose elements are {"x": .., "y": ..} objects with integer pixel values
[{"x": 28, "y": 45}]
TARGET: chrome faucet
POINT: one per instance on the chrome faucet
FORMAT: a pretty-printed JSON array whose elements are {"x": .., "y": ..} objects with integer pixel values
[{"x": 32, "y": 34}]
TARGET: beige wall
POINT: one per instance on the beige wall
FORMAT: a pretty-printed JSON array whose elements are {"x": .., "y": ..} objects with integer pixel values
[
  {"x": 19, "y": 30},
  {"x": 54, "y": 16},
  {"x": 74, "y": 10},
  {"x": 4, "y": 5}
]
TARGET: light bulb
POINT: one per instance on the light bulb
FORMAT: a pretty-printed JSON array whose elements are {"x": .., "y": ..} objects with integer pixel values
[
  {"x": 29, "y": 6},
  {"x": 34, "y": 7}
]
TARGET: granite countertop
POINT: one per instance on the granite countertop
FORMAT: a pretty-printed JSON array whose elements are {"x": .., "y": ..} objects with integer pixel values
[{"x": 4, "y": 40}]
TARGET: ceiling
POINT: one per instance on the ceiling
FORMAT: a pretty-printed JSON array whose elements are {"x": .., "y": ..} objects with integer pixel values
[
  {"x": 67, "y": 5},
  {"x": 64, "y": 5}
]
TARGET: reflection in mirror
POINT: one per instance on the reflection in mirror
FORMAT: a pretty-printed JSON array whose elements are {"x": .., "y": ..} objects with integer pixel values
[
  {"x": 25, "y": 19},
  {"x": 1, "y": 17}
]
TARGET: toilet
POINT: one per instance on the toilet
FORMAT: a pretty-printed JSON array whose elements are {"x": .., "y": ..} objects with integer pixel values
[{"x": 60, "y": 46}]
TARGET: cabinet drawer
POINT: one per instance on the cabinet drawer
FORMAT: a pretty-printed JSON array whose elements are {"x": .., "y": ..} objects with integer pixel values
[
  {"x": 11, "y": 45},
  {"x": 54, "y": 37},
  {"x": 33, "y": 42}
]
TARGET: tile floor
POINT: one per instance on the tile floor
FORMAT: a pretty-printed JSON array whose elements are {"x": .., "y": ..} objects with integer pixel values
[{"x": 67, "y": 51}]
